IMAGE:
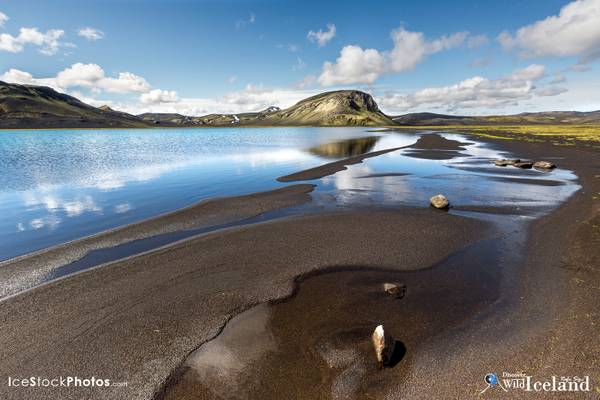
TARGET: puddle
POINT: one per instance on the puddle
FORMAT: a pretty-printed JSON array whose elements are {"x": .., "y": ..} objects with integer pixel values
[{"x": 317, "y": 344}]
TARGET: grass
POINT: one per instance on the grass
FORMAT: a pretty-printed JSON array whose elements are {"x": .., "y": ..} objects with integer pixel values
[{"x": 557, "y": 134}]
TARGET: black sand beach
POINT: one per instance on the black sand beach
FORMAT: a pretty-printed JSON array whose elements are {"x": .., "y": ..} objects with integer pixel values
[{"x": 312, "y": 286}]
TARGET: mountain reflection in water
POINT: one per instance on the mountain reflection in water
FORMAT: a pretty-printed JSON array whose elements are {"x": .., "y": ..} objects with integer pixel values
[{"x": 345, "y": 148}]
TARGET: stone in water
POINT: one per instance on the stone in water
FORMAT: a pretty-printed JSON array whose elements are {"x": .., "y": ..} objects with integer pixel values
[
  {"x": 439, "y": 201},
  {"x": 546, "y": 165}
]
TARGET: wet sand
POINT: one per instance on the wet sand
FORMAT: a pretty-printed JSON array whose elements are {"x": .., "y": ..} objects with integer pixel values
[
  {"x": 333, "y": 167},
  {"x": 537, "y": 314},
  {"x": 436, "y": 147},
  {"x": 138, "y": 320},
  {"x": 23, "y": 272},
  {"x": 316, "y": 345}
]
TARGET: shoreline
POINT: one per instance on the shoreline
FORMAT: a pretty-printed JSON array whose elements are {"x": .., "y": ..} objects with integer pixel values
[
  {"x": 142, "y": 316},
  {"x": 145, "y": 310},
  {"x": 27, "y": 270}
]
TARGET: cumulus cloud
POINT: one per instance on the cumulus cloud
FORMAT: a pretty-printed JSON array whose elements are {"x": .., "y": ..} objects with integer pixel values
[
  {"x": 307, "y": 81},
  {"x": 551, "y": 91},
  {"x": 322, "y": 37},
  {"x": 90, "y": 76},
  {"x": 475, "y": 92},
  {"x": 251, "y": 98},
  {"x": 48, "y": 42},
  {"x": 3, "y": 19},
  {"x": 90, "y": 33},
  {"x": 477, "y": 41},
  {"x": 358, "y": 65},
  {"x": 575, "y": 31},
  {"x": 158, "y": 96},
  {"x": 558, "y": 78},
  {"x": 480, "y": 62}
]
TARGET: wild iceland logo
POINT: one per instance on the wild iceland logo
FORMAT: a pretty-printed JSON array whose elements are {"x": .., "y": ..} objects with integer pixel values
[{"x": 520, "y": 381}]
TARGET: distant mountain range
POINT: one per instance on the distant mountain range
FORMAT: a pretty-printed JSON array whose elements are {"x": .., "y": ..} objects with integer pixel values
[
  {"x": 27, "y": 106},
  {"x": 538, "y": 118}
]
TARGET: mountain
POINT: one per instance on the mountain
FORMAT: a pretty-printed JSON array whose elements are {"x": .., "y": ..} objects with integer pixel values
[
  {"x": 26, "y": 106},
  {"x": 339, "y": 108},
  {"x": 164, "y": 119},
  {"x": 537, "y": 118}
]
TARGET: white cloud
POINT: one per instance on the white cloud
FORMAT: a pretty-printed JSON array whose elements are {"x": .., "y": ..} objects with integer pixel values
[
  {"x": 299, "y": 65},
  {"x": 231, "y": 80},
  {"x": 531, "y": 73},
  {"x": 10, "y": 43},
  {"x": 3, "y": 19},
  {"x": 558, "y": 78},
  {"x": 579, "y": 68},
  {"x": 575, "y": 31},
  {"x": 322, "y": 37},
  {"x": 475, "y": 92},
  {"x": 551, "y": 91},
  {"x": 251, "y": 98},
  {"x": 292, "y": 48},
  {"x": 158, "y": 96},
  {"x": 480, "y": 62},
  {"x": 25, "y": 78},
  {"x": 309, "y": 80},
  {"x": 477, "y": 41},
  {"x": 90, "y": 33},
  {"x": 48, "y": 42},
  {"x": 358, "y": 65},
  {"x": 90, "y": 76},
  {"x": 241, "y": 23}
]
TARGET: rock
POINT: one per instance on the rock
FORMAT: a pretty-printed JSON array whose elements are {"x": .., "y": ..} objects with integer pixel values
[
  {"x": 545, "y": 165},
  {"x": 503, "y": 162},
  {"x": 396, "y": 290},
  {"x": 384, "y": 346},
  {"x": 523, "y": 164},
  {"x": 439, "y": 202}
]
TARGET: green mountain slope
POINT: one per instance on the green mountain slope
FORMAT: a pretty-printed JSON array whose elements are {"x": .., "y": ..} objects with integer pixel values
[{"x": 25, "y": 106}]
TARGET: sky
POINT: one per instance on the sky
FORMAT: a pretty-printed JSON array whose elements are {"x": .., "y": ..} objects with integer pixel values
[{"x": 467, "y": 57}]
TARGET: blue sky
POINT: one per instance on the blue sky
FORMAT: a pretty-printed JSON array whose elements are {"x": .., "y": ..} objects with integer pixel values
[{"x": 195, "y": 57}]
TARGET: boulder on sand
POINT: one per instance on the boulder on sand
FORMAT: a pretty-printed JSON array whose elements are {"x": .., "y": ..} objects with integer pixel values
[
  {"x": 523, "y": 164},
  {"x": 384, "y": 346},
  {"x": 439, "y": 201},
  {"x": 503, "y": 162},
  {"x": 545, "y": 165},
  {"x": 397, "y": 290}
]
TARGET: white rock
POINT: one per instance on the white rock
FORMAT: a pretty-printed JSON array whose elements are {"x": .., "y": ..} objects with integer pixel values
[
  {"x": 545, "y": 165},
  {"x": 394, "y": 289},
  {"x": 383, "y": 345},
  {"x": 439, "y": 201}
]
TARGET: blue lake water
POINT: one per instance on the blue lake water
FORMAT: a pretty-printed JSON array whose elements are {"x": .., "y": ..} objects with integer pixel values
[{"x": 57, "y": 186}]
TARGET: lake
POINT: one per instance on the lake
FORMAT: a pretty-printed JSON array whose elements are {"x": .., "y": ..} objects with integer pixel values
[{"x": 59, "y": 185}]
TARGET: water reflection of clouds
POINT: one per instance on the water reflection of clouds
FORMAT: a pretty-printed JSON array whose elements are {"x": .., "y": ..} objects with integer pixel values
[
  {"x": 427, "y": 177},
  {"x": 224, "y": 363},
  {"x": 353, "y": 186},
  {"x": 49, "y": 221},
  {"x": 122, "y": 208},
  {"x": 54, "y": 204}
]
